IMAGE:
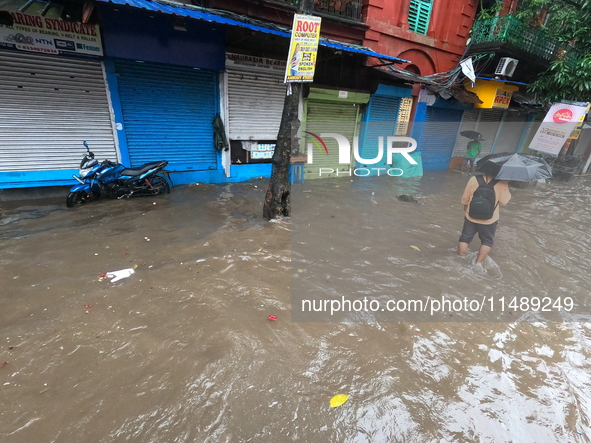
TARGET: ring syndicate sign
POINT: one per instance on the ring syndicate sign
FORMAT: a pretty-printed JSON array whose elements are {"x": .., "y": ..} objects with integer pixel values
[{"x": 42, "y": 34}]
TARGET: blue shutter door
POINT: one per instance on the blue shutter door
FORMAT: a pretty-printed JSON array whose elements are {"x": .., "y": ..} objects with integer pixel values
[
  {"x": 168, "y": 113},
  {"x": 439, "y": 137},
  {"x": 382, "y": 119}
]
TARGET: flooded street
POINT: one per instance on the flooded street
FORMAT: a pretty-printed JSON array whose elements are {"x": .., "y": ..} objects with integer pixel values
[{"x": 183, "y": 349}]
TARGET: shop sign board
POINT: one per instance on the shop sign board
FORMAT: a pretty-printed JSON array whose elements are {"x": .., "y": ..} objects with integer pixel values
[
  {"x": 255, "y": 61},
  {"x": 262, "y": 151},
  {"x": 34, "y": 32},
  {"x": 502, "y": 98},
  {"x": 557, "y": 127},
  {"x": 303, "y": 48}
]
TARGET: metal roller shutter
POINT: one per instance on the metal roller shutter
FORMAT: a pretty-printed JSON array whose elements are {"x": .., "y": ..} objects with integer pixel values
[
  {"x": 330, "y": 117},
  {"x": 382, "y": 122},
  {"x": 48, "y": 106},
  {"x": 255, "y": 103},
  {"x": 439, "y": 137},
  {"x": 488, "y": 126},
  {"x": 511, "y": 131},
  {"x": 168, "y": 113},
  {"x": 469, "y": 122}
]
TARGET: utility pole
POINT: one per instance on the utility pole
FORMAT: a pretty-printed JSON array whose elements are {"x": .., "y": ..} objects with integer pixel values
[{"x": 278, "y": 197}]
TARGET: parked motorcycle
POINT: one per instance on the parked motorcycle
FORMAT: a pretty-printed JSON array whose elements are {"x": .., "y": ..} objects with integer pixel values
[{"x": 115, "y": 180}]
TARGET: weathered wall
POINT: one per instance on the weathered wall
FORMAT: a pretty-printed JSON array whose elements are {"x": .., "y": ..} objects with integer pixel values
[{"x": 438, "y": 51}]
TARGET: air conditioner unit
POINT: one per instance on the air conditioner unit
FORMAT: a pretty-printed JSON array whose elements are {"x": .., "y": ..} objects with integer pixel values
[{"x": 506, "y": 66}]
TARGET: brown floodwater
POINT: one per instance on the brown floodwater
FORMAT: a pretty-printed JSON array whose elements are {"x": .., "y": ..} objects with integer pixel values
[{"x": 183, "y": 349}]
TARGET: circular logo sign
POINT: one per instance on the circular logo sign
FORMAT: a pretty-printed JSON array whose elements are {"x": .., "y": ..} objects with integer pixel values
[{"x": 563, "y": 115}]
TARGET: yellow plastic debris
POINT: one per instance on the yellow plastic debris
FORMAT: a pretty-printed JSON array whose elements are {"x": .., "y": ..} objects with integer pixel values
[
  {"x": 338, "y": 400},
  {"x": 415, "y": 248}
]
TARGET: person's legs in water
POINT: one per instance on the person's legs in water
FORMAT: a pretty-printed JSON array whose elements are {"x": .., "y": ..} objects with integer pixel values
[
  {"x": 482, "y": 253},
  {"x": 464, "y": 164},
  {"x": 486, "y": 233},
  {"x": 469, "y": 230}
]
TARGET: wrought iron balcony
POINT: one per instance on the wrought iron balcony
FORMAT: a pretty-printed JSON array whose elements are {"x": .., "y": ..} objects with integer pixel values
[
  {"x": 506, "y": 29},
  {"x": 346, "y": 9}
]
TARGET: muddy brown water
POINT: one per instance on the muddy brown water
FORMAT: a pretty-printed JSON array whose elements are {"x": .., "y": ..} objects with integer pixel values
[{"x": 183, "y": 351}]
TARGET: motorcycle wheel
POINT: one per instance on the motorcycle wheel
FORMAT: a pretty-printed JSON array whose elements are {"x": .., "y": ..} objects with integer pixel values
[
  {"x": 75, "y": 198},
  {"x": 160, "y": 185}
]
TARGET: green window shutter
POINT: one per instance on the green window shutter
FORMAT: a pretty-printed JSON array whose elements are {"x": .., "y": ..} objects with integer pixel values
[{"x": 419, "y": 15}]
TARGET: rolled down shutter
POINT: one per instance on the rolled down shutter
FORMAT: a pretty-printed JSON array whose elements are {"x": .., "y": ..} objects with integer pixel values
[
  {"x": 382, "y": 122},
  {"x": 255, "y": 103},
  {"x": 168, "y": 113},
  {"x": 329, "y": 117},
  {"x": 48, "y": 106},
  {"x": 511, "y": 131},
  {"x": 439, "y": 137},
  {"x": 469, "y": 122},
  {"x": 488, "y": 126}
]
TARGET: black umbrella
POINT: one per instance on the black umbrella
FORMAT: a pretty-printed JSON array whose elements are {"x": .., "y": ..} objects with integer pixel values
[
  {"x": 517, "y": 167},
  {"x": 473, "y": 135}
]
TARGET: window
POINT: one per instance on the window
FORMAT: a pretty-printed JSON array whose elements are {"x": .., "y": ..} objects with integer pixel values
[{"x": 419, "y": 15}]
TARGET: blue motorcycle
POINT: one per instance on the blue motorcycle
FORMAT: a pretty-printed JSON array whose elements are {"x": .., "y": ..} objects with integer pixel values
[{"x": 116, "y": 181}]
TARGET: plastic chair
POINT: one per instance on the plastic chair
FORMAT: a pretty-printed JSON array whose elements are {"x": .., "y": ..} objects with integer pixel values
[{"x": 296, "y": 172}]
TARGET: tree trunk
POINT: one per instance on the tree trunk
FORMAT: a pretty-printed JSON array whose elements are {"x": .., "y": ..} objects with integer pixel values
[
  {"x": 277, "y": 200},
  {"x": 278, "y": 197}
]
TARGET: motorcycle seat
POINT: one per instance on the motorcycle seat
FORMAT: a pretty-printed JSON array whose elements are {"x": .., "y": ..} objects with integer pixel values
[{"x": 143, "y": 169}]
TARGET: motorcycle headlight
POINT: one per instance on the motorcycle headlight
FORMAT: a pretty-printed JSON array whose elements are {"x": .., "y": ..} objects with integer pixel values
[{"x": 83, "y": 172}]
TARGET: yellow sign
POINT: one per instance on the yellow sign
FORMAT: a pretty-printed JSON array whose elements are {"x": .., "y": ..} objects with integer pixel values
[
  {"x": 303, "y": 48},
  {"x": 494, "y": 94},
  {"x": 575, "y": 134},
  {"x": 502, "y": 98}
]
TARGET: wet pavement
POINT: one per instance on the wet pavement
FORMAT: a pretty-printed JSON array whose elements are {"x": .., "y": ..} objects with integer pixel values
[{"x": 183, "y": 351}]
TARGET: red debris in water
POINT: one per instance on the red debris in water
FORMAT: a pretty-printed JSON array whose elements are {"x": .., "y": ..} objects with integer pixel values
[{"x": 272, "y": 317}]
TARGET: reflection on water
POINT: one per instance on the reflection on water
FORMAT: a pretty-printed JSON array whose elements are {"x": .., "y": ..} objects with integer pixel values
[{"x": 183, "y": 351}]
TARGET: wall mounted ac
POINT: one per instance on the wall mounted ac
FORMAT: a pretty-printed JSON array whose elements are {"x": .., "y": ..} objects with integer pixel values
[{"x": 506, "y": 66}]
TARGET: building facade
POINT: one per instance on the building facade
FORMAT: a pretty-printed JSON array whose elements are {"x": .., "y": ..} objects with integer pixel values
[{"x": 143, "y": 80}]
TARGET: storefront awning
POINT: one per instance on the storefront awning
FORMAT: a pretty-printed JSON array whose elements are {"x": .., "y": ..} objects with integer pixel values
[
  {"x": 232, "y": 19},
  {"x": 443, "y": 83}
]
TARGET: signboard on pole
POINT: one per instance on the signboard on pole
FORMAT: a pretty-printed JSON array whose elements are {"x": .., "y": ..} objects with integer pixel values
[
  {"x": 557, "y": 127},
  {"x": 303, "y": 48},
  {"x": 36, "y": 31}
]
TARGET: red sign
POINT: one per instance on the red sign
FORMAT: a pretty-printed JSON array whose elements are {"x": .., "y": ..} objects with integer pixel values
[{"x": 562, "y": 116}]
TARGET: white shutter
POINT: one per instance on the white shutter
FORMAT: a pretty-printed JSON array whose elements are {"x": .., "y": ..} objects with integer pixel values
[
  {"x": 255, "y": 102},
  {"x": 511, "y": 131},
  {"x": 485, "y": 121},
  {"x": 469, "y": 121},
  {"x": 48, "y": 106},
  {"x": 488, "y": 126}
]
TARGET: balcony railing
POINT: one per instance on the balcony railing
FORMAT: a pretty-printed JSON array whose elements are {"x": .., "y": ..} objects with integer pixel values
[
  {"x": 508, "y": 29},
  {"x": 347, "y": 9}
]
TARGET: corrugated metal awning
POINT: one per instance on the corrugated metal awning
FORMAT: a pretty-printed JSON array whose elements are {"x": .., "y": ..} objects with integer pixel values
[{"x": 232, "y": 19}]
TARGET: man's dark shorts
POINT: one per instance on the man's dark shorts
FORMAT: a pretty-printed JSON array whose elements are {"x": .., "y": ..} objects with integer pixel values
[{"x": 486, "y": 233}]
